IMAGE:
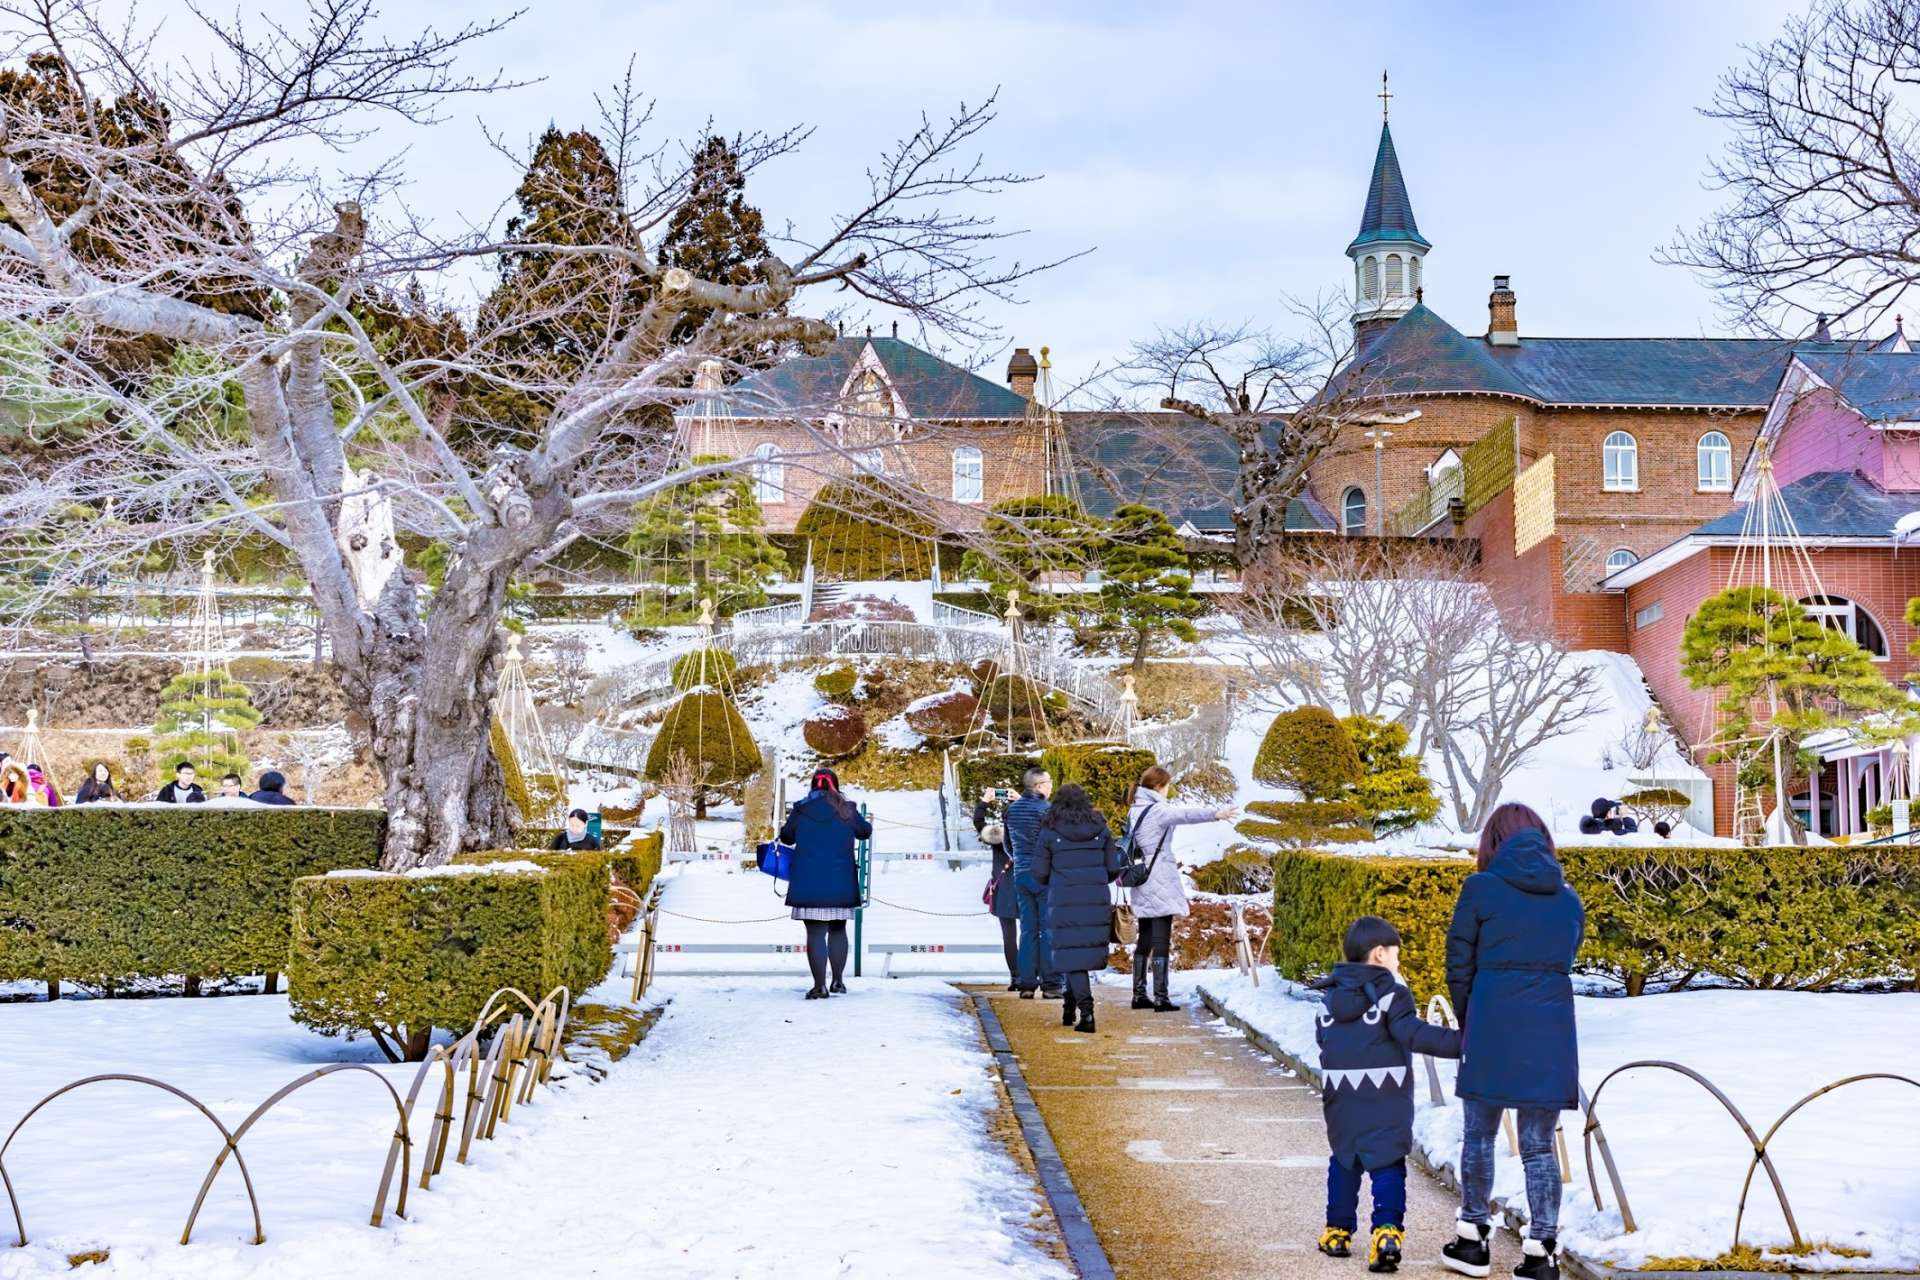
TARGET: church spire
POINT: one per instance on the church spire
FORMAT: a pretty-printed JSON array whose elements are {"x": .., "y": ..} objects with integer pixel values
[{"x": 1389, "y": 253}]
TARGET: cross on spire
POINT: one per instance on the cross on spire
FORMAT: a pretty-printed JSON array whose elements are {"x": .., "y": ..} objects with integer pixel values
[{"x": 1385, "y": 95}]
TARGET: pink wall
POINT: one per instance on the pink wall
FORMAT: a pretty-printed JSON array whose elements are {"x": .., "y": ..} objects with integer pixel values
[
  {"x": 1902, "y": 467},
  {"x": 1822, "y": 434}
]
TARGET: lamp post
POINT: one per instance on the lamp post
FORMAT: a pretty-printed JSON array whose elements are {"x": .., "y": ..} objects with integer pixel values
[{"x": 1379, "y": 436}]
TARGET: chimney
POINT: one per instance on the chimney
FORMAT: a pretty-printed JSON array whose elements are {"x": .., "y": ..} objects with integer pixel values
[
  {"x": 1502, "y": 329},
  {"x": 1022, "y": 369},
  {"x": 1822, "y": 329}
]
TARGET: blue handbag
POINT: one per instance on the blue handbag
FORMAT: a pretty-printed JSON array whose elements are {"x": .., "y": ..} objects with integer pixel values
[{"x": 776, "y": 859}]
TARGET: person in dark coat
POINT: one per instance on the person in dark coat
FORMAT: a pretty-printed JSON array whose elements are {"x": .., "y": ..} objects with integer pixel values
[
  {"x": 183, "y": 789},
  {"x": 1510, "y": 950},
  {"x": 1022, "y": 821},
  {"x": 1074, "y": 860},
  {"x": 1002, "y": 899},
  {"x": 1368, "y": 1036},
  {"x": 574, "y": 837},
  {"x": 1608, "y": 817},
  {"x": 273, "y": 789},
  {"x": 823, "y": 829},
  {"x": 98, "y": 786}
]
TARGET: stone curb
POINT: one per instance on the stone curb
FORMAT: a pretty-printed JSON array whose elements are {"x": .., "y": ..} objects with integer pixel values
[{"x": 1083, "y": 1246}]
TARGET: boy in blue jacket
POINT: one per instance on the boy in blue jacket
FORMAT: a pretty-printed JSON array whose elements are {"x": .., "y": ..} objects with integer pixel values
[{"x": 1368, "y": 1036}]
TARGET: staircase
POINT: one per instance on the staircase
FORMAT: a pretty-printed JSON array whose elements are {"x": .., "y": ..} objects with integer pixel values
[{"x": 825, "y": 595}]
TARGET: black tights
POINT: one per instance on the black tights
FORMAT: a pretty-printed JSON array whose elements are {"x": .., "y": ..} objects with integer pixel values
[
  {"x": 1010, "y": 944},
  {"x": 826, "y": 941},
  {"x": 1154, "y": 942}
]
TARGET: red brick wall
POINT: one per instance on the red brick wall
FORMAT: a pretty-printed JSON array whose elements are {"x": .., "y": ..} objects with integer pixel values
[{"x": 1529, "y": 589}]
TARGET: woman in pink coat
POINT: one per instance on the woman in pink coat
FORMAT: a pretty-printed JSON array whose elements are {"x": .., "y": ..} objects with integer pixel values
[{"x": 1150, "y": 822}]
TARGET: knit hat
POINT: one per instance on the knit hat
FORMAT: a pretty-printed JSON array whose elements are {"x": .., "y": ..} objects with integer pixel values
[
  {"x": 1366, "y": 933},
  {"x": 1603, "y": 806}
]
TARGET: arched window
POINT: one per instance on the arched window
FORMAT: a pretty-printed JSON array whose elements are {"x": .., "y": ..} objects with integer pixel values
[
  {"x": 1850, "y": 620},
  {"x": 1620, "y": 458},
  {"x": 1353, "y": 511},
  {"x": 1370, "y": 278},
  {"x": 1715, "y": 453},
  {"x": 1396, "y": 275},
  {"x": 1620, "y": 558},
  {"x": 1413, "y": 274},
  {"x": 769, "y": 474},
  {"x": 969, "y": 474}
]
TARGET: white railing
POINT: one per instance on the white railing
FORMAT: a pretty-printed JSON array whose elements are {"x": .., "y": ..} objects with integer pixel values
[
  {"x": 952, "y": 615},
  {"x": 785, "y": 614},
  {"x": 599, "y": 746}
]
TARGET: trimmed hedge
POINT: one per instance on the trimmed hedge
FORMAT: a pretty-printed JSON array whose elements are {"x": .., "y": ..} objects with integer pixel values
[
  {"x": 1309, "y": 749},
  {"x": 1108, "y": 771},
  {"x": 976, "y": 773},
  {"x": 102, "y": 892},
  {"x": 1301, "y": 823},
  {"x": 837, "y": 681},
  {"x": 1777, "y": 918},
  {"x": 1239, "y": 870}
]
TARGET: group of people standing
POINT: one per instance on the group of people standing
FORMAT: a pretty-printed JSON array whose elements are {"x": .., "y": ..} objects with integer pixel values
[
  {"x": 1054, "y": 860},
  {"x": 1516, "y": 929},
  {"x": 28, "y": 785}
]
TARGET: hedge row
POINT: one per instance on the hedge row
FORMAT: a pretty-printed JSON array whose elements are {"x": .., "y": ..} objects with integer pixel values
[
  {"x": 423, "y": 951},
  {"x": 103, "y": 892},
  {"x": 1804, "y": 919}
]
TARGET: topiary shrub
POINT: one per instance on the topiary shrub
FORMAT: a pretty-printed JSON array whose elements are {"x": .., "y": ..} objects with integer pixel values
[
  {"x": 1108, "y": 771},
  {"x": 860, "y": 533},
  {"x": 200, "y": 721},
  {"x": 1237, "y": 871},
  {"x": 835, "y": 731},
  {"x": 398, "y": 955},
  {"x": 836, "y": 682},
  {"x": 984, "y": 672},
  {"x": 1310, "y": 750},
  {"x": 712, "y": 668},
  {"x": 991, "y": 769},
  {"x": 99, "y": 893},
  {"x": 1664, "y": 804},
  {"x": 943, "y": 717},
  {"x": 1211, "y": 783},
  {"x": 709, "y": 730},
  {"x": 1299, "y": 823},
  {"x": 1012, "y": 697},
  {"x": 1393, "y": 787}
]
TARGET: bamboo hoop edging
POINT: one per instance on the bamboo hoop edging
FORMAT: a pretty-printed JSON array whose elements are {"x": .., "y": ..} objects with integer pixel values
[
  {"x": 19, "y": 1222},
  {"x": 1760, "y": 1148}
]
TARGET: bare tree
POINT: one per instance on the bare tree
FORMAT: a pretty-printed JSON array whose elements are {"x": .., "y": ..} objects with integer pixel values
[
  {"x": 571, "y": 668},
  {"x": 163, "y": 203},
  {"x": 1281, "y": 401},
  {"x": 1823, "y": 210}
]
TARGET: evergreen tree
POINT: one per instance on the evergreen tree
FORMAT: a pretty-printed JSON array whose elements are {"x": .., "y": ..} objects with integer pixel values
[
  {"x": 1146, "y": 585},
  {"x": 706, "y": 535},
  {"x": 200, "y": 722},
  {"x": 1026, "y": 540},
  {"x": 1393, "y": 788},
  {"x": 1755, "y": 647},
  {"x": 862, "y": 532},
  {"x": 716, "y": 234}
]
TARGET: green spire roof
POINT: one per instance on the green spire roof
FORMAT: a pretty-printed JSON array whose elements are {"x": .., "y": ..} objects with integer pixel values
[{"x": 1389, "y": 213}]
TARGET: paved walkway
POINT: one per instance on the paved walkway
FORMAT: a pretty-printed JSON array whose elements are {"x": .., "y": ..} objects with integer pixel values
[{"x": 1196, "y": 1156}]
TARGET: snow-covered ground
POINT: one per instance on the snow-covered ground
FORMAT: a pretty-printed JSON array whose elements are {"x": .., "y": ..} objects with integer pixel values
[
  {"x": 1847, "y": 1160},
  {"x": 753, "y": 1134}
]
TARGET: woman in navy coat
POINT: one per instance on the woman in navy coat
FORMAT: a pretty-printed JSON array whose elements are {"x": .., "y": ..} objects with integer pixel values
[
  {"x": 823, "y": 829},
  {"x": 1510, "y": 950},
  {"x": 1076, "y": 859}
]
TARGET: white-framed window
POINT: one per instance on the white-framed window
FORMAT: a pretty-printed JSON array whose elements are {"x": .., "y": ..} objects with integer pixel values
[
  {"x": 1353, "y": 511},
  {"x": 1620, "y": 462},
  {"x": 969, "y": 475},
  {"x": 1648, "y": 616},
  {"x": 1396, "y": 275},
  {"x": 1715, "y": 453},
  {"x": 1413, "y": 274},
  {"x": 1620, "y": 558},
  {"x": 769, "y": 474},
  {"x": 1850, "y": 620},
  {"x": 1370, "y": 278}
]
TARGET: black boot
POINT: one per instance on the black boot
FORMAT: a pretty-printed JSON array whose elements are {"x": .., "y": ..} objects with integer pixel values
[
  {"x": 1539, "y": 1260},
  {"x": 1086, "y": 1018},
  {"x": 1066, "y": 1010},
  {"x": 1140, "y": 1000},
  {"x": 1468, "y": 1252},
  {"x": 1160, "y": 1002}
]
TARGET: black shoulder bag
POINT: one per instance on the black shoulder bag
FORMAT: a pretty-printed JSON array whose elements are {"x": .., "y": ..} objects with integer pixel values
[{"x": 1136, "y": 872}]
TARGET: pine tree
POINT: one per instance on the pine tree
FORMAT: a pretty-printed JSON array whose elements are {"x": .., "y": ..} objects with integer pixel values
[
  {"x": 715, "y": 234},
  {"x": 1755, "y": 647},
  {"x": 704, "y": 534},
  {"x": 1393, "y": 787},
  {"x": 200, "y": 720},
  {"x": 860, "y": 531},
  {"x": 1027, "y": 540},
  {"x": 1146, "y": 584}
]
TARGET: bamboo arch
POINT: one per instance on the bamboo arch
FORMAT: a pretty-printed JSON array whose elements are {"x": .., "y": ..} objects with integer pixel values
[{"x": 517, "y": 1060}]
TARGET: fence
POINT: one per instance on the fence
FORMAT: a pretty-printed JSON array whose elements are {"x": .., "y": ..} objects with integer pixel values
[
  {"x": 1486, "y": 469},
  {"x": 518, "y": 1058}
]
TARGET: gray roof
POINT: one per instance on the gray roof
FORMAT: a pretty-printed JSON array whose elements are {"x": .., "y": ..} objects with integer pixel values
[
  {"x": 1829, "y": 504},
  {"x": 1421, "y": 354},
  {"x": 1883, "y": 386},
  {"x": 1185, "y": 468},
  {"x": 1388, "y": 214},
  {"x": 932, "y": 389}
]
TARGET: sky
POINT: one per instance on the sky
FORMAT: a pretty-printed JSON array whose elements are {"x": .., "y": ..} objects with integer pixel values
[{"x": 1212, "y": 159}]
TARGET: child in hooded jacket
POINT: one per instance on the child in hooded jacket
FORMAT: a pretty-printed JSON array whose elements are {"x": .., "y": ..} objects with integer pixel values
[{"x": 1368, "y": 1035}]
